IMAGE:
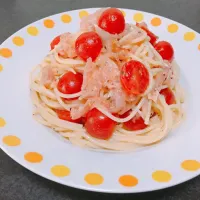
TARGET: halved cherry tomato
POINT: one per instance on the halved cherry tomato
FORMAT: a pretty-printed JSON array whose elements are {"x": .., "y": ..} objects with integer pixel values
[
  {"x": 112, "y": 20},
  {"x": 54, "y": 42},
  {"x": 136, "y": 123},
  {"x": 99, "y": 125},
  {"x": 65, "y": 115},
  {"x": 169, "y": 96},
  {"x": 134, "y": 77},
  {"x": 153, "y": 37},
  {"x": 88, "y": 45},
  {"x": 70, "y": 83},
  {"x": 165, "y": 49}
]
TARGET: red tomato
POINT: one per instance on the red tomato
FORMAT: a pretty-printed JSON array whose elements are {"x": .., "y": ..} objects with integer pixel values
[
  {"x": 55, "y": 41},
  {"x": 134, "y": 77},
  {"x": 165, "y": 49},
  {"x": 153, "y": 37},
  {"x": 65, "y": 115},
  {"x": 70, "y": 83},
  {"x": 83, "y": 120},
  {"x": 169, "y": 96},
  {"x": 88, "y": 45},
  {"x": 136, "y": 123},
  {"x": 112, "y": 20},
  {"x": 99, "y": 125}
]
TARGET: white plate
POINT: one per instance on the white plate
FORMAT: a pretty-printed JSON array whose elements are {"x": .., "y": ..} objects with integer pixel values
[{"x": 172, "y": 161}]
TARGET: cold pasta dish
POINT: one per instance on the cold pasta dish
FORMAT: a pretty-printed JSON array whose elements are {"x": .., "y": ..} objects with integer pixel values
[{"x": 111, "y": 85}]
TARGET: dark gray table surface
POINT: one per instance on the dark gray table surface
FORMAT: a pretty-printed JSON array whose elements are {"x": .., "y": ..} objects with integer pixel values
[{"x": 16, "y": 182}]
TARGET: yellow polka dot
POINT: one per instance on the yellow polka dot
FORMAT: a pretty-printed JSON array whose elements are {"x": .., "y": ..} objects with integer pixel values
[
  {"x": 83, "y": 13},
  {"x": 66, "y": 18},
  {"x": 11, "y": 140},
  {"x": 1, "y": 68},
  {"x": 128, "y": 180},
  {"x": 2, "y": 122},
  {"x": 60, "y": 170},
  {"x": 190, "y": 165},
  {"x": 172, "y": 28},
  {"x": 156, "y": 21},
  {"x": 199, "y": 47},
  {"x": 32, "y": 30},
  {"x": 49, "y": 23},
  {"x": 19, "y": 41},
  {"x": 189, "y": 36},
  {"x": 138, "y": 17},
  {"x": 94, "y": 179},
  {"x": 33, "y": 157},
  {"x": 5, "y": 52},
  {"x": 123, "y": 12},
  {"x": 161, "y": 176}
]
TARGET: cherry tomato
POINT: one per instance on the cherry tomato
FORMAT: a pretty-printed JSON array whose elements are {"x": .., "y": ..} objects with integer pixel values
[
  {"x": 70, "y": 83},
  {"x": 65, "y": 115},
  {"x": 88, "y": 45},
  {"x": 153, "y": 37},
  {"x": 165, "y": 49},
  {"x": 136, "y": 123},
  {"x": 83, "y": 120},
  {"x": 169, "y": 96},
  {"x": 54, "y": 42},
  {"x": 112, "y": 20},
  {"x": 134, "y": 77},
  {"x": 99, "y": 125}
]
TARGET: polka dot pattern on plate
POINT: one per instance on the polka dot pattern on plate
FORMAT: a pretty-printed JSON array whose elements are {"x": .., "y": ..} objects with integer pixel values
[
  {"x": 123, "y": 12},
  {"x": 172, "y": 28},
  {"x": 138, "y": 17},
  {"x": 1, "y": 68},
  {"x": 18, "y": 41},
  {"x": 161, "y": 176},
  {"x": 2, "y": 122},
  {"x": 49, "y": 23},
  {"x": 156, "y": 21},
  {"x": 32, "y": 30},
  {"x": 5, "y": 52},
  {"x": 199, "y": 47},
  {"x": 190, "y": 165},
  {"x": 83, "y": 13},
  {"x": 94, "y": 179},
  {"x": 65, "y": 18},
  {"x": 60, "y": 170},
  {"x": 33, "y": 157},
  {"x": 189, "y": 36},
  {"x": 128, "y": 180},
  {"x": 11, "y": 140}
]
